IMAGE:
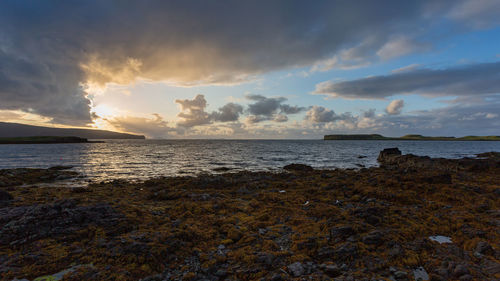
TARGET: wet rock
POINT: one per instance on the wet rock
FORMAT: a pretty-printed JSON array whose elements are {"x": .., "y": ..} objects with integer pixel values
[
  {"x": 341, "y": 232},
  {"x": 388, "y": 153},
  {"x": 265, "y": 258},
  {"x": 60, "y": 168},
  {"x": 395, "y": 250},
  {"x": 80, "y": 189},
  {"x": 298, "y": 167},
  {"x": 222, "y": 169},
  {"x": 296, "y": 269},
  {"x": 346, "y": 252},
  {"x": 466, "y": 277},
  {"x": 276, "y": 277},
  {"x": 420, "y": 274},
  {"x": 332, "y": 270},
  {"x": 483, "y": 248},
  {"x": 373, "y": 220},
  {"x": 491, "y": 154},
  {"x": 400, "y": 275},
  {"x": 221, "y": 273},
  {"x": 490, "y": 267},
  {"x": 460, "y": 270},
  {"x": 5, "y": 196},
  {"x": 24, "y": 224},
  {"x": 375, "y": 237}
]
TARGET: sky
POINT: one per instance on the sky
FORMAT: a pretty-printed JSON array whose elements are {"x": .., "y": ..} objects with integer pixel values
[{"x": 263, "y": 69}]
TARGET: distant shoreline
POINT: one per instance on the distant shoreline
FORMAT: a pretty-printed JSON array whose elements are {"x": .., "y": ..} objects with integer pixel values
[
  {"x": 45, "y": 140},
  {"x": 410, "y": 137}
]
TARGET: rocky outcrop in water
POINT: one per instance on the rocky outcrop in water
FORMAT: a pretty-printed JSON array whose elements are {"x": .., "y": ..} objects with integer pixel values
[
  {"x": 391, "y": 158},
  {"x": 20, "y": 176}
]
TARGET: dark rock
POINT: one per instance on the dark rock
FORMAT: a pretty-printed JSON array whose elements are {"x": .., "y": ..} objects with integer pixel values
[
  {"x": 466, "y": 277},
  {"x": 265, "y": 258},
  {"x": 388, "y": 153},
  {"x": 341, "y": 232},
  {"x": 298, "y": 167},
  {"x": 20, "y": 225},
  {"x": 460, "y": 270},
  {"x": 484, "y": 248},
  {"x": 395, "y": 251},
  {"x": 60, "y": 168},
  {"x": 222, "y": 169},
  {"x": 276, "y": 277},
  {"x": 326, "y": 253},
  {"x": 492, "y": 155},
  {"x": 296, "y": 269},
  {"x": 375, "y": 237},
  {"x": 332, "y": 270},
  {"x": 443, "y": 178},
  {"x": 5, "y": 196},
  {"x": 221, "y": 273},
  {"x": 346, "y": 252},
  {"x": 400, "y": 275},
  {"x": 373, "y": 220},
  {"x": 80, "y": 189},
  {"x": 490, "y": 267}
]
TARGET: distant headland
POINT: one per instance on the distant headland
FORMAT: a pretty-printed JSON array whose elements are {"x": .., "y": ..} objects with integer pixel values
[
  {"x": 44, "y": 140},
  {"x": 410, "y": 137},
  {"x": 15, "y": 130}
]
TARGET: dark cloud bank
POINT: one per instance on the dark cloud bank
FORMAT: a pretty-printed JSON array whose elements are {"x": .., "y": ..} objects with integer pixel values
[
  {"x": 466, "y": 80},
  {"x": 49, "y": 50}
]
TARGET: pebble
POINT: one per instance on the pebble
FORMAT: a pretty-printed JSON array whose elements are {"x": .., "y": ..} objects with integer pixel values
[
  {"x": 440, "y": 239},
  {"x": 420, "y": 274},
  {"x": 460, "y": 270},
  {"x": 297, "y": 269},
  {"x": 400, "y": 275}
]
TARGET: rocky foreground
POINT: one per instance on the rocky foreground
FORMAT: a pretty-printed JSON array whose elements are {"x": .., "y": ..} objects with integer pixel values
[{"x": 413, "y": 218}]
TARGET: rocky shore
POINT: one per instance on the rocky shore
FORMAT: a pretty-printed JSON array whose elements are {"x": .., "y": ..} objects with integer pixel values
[{"x": 412, "y": 218}]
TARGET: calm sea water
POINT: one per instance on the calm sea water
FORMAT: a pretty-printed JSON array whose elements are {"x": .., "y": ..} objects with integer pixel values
[{"x": 138, "y": 159}]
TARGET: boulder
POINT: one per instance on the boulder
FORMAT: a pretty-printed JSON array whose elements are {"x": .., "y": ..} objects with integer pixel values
[
  {"x": 388, "y": 153},
  {"x": 298, "y": 167},
  {"x": 5, "y": 196}
]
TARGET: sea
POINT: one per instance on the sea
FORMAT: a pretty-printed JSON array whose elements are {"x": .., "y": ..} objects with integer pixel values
[{"x": 141, "y": 159}]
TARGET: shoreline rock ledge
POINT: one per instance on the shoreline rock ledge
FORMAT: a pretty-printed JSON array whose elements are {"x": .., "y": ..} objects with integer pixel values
[{"x": 392, "y": 158}]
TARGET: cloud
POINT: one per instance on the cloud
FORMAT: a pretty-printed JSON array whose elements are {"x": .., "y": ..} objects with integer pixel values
[
  {"x": 467, "y": 80},
  {"x": 320, "y": 114},
  {"x": 263, "y": 105},
  {"x": 400, "y": 46},
  {"x": 193, "y": 112},
  {"x": 47, "y": 52},
  {"x": 45, "y": 88},
  {"x": 377, "y": 46},
  {"x": 265, "y": 109},
  {"x": 50, "y": 53},
  {"x": 410, "y": 67},
  {"x": 228, "y": 113},
  {"x": 476, "y": 13},
  {"x": 395, "y": 107},
  {"x": 154, "y": 127}
]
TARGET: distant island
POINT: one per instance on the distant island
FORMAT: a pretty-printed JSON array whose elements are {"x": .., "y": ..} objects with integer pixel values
[
  {"x": 410, "y": 137},
  {"x": 44, "y": 140},
  {"x": 14, "y": 130}
]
